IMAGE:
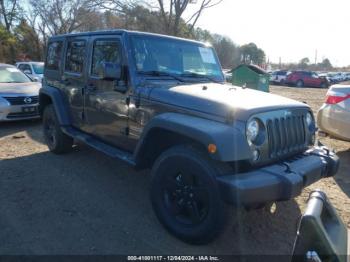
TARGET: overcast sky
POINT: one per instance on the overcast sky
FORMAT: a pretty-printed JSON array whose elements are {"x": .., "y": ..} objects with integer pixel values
[{"x": 290, "y": 29}]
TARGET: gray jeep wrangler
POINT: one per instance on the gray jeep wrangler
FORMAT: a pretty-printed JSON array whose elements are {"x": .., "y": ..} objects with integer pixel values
[{"x": 161, "y": 102}]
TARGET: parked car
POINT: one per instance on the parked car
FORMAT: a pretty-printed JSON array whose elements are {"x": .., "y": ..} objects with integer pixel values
[
  {"x": 161, "y": 102},
  {"x": 347, "y": 76},
  {"x": 18, "y": 95},
  {"x": 334, "y": 116},
  {"x": 278, "y": 77},
  {"x": 306, "y": 78},
  {"x": 34, "y": 70},
  {"x": 325, "y": 75}
]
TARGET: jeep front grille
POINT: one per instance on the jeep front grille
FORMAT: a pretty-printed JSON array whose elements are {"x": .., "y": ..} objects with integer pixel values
[{"x": 286, "y": 135}]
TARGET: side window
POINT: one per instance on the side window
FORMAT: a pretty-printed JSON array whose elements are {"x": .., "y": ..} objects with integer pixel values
[
  {"x": 21, "y": 67},
  {"x": 53, "y": 59},
  {"x": 28, "y": 68},
  {"x": 25, "y": 67},
  {"x": 105, "y": 51},
  {"x": 75, "y": 56}
]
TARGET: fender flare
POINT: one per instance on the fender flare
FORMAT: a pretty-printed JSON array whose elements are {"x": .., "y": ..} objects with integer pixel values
[
  {"x": 230, "y": 140},
  {"x": 58, "y": 102}
]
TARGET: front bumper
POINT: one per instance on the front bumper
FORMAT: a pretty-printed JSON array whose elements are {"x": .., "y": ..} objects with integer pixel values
[
  {"x": 15, "y": 112},
  {"x": 278, "y": 182}
]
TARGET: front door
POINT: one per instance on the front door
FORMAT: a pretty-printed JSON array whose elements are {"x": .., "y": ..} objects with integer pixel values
[{"x": 106, "y": 109}]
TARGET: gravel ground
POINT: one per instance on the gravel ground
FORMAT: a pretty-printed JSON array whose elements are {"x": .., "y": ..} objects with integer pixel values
[{"x": 87, "y": 203}]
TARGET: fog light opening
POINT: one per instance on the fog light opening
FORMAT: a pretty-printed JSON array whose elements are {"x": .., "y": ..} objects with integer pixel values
[
  {"x": 212, "y": 148},
  {"x": 256, "y": 155}
]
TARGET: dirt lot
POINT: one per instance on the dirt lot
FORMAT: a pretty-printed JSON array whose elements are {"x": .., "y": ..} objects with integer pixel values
[{"x": 87, "y": 203}]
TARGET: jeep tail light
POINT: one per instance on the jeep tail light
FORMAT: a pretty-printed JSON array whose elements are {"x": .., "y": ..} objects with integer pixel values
[{"x": 336, "y": 97}]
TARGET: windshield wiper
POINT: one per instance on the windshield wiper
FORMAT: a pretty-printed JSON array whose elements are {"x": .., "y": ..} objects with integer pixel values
[
  {"x": 191, "y": 74},
  {"x": 160, "y": 73}
]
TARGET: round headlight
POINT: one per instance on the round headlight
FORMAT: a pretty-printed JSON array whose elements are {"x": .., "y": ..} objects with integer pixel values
[
  {"x": 252, "y": 130},
  {"x": 309, "y": 119}
]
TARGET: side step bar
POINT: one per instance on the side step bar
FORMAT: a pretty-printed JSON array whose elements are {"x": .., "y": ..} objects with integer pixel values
[{"x": 99, "y": 145}]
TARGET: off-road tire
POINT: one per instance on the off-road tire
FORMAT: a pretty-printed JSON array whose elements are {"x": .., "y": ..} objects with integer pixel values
[
  {"x": 300, "y": 83},
  {"x": 324, "y": 85},
  {"x": 191, "y": 165},
  {"x": 57, "y": 141}
]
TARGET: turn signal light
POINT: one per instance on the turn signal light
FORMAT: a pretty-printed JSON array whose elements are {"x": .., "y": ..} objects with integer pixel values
[{"x": 212, "y": 148}]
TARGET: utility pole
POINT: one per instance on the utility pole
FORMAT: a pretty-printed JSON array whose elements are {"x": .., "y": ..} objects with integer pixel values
[
  {"x": 280, "y": 62},
  {"x": 316, "y": 57}
]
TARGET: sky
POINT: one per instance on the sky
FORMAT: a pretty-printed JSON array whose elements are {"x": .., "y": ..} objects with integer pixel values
[{"x": 286, "y": 29}]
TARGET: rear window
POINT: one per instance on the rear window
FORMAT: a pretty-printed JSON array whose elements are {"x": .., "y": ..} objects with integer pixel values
[
  {"x": 54, "y": 52},
  {"x": 75, "y": 56}
]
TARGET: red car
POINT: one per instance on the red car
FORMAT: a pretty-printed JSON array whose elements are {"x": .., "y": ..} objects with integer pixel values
[{"x": 306, "y": 78}]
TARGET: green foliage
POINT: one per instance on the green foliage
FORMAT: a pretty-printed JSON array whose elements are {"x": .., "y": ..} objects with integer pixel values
[
  {"x": 7, "y": 43},
  {"x": 326, "y": 64},
  {"x": 303, "y": 64},
  {"x": 48, "y": 17},
  {"x": 228, "y": 52},
  {"x": 28, "y": 42},
  {"x": 250, "y": 53}
]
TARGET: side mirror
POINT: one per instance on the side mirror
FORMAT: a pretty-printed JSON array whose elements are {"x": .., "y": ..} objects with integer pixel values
[
  {"x": 27, "y": 72},
  {"x": 110, "y": 71}
]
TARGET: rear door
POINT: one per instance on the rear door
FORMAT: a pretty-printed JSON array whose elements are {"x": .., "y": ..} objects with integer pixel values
[
  {"x": 106, "y": 109},
  {"x": 316, "y": 80},
  {"x": 307, "y": 78},
  {"x": 73, "y": 78}
]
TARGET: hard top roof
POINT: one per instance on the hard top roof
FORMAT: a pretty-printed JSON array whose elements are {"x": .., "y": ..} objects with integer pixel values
[{"x": 120, "y": 32}]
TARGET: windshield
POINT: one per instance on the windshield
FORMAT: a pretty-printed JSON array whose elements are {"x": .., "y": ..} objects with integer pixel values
[
  {"x": 38, "y": 68},
  {"x": 176, "y": 57},
  {"x": 12, "y": 75}
]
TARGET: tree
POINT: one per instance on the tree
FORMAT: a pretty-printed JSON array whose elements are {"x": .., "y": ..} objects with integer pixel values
[
  {"x": 7, "y": 42},
  {"x": 28, "y": 42},
  {"x": 171, "y": 12},
  {"x": 227, "y": 51},
  {"x": 53, "y": 17},
  {"x": 10, "y": 11},
  {"x": 250, "y": 53},
  {"x": 303, "y": 64},
  {"x": 326, "y": 64}
]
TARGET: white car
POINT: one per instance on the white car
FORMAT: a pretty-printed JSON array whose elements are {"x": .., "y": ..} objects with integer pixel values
[
  {"x": 278, "y": 77},
  {"x": 35, "y": 70},
  {"x": 334, "y": 77}
]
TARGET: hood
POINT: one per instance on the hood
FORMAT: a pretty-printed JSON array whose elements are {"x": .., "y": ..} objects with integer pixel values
[
  {"x": 30, "y": 88},
  {"x": 222, "y": 100}
]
